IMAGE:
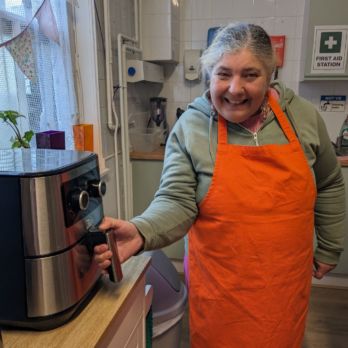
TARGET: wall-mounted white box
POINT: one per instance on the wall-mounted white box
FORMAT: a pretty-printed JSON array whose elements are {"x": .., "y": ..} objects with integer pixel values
[
  {"x": 139, "y": 70},
  {"x": 160, "y": 30}
]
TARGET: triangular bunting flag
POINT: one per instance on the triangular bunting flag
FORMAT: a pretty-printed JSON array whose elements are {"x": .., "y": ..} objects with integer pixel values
[
  {"x": 22, "y": 53},
  {"x": 47, "y": 21}
]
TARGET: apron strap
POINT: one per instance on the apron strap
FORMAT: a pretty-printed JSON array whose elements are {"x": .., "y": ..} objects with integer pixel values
[
  {"x": 222, "y": 130},
  {"x": 282, "y": 119}
]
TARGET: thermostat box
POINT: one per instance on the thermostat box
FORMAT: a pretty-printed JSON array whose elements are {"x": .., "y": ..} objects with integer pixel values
[{"x": 140, "y": 70}]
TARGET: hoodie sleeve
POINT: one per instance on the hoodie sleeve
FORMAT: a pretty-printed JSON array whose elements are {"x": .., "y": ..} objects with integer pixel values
[
  {"x": 330, "y": 204},
  {"x": 174, "y": 208}
]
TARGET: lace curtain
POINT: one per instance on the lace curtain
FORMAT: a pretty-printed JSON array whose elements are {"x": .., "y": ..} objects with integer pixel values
[{"x": 48, "y": 101}]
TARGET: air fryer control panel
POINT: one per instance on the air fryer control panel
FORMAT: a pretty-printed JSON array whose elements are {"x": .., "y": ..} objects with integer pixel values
[{"x": 82, "y": 195}]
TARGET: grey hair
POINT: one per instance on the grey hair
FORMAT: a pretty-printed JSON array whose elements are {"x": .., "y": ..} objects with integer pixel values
[{"x": 235, "y": 37}]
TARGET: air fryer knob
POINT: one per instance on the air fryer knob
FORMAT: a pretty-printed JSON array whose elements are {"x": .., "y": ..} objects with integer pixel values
[
  {"x": 80, "y": 200},
  {"x": 97, "y": 188}
]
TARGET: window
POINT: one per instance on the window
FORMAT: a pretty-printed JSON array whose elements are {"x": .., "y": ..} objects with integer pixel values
[{"x": 47, "y": 99}]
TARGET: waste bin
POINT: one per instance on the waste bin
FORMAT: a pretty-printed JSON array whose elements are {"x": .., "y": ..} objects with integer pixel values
[{"x": 168, "y": 302}]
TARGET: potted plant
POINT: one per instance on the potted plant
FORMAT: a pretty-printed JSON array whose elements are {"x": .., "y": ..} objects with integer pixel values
[{"x": 10, "y": 118}]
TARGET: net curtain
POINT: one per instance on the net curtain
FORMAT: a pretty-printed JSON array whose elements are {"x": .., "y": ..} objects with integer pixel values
[{"x": 48, "y": 99}]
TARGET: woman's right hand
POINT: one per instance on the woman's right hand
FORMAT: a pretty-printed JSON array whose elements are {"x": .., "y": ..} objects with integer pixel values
[{"x": 129, "y": 241}]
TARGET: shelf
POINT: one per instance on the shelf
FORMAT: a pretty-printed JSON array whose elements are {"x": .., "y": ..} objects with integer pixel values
[{"x": 157, "y": 155}]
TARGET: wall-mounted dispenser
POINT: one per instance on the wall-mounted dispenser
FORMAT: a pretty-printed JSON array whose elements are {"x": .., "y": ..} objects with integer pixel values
[
  {"x": 191, "y": 64},
  {"x": 139, "y": 70}
]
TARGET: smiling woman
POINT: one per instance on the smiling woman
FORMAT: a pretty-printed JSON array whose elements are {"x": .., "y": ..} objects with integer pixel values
[
  {"x": 35, "y": 66},
  {"x": 249, "y": 172},
  {"x": 239, "y": 84}
]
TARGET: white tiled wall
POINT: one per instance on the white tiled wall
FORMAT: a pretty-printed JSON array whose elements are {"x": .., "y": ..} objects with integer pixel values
[{"x": 278, "y": 17}]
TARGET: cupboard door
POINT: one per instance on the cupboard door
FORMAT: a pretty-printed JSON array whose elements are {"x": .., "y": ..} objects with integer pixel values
[{"x": 130, "y": 333}]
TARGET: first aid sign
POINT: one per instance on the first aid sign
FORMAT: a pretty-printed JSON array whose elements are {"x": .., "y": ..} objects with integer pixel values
[{"x": 330, "y": 49}]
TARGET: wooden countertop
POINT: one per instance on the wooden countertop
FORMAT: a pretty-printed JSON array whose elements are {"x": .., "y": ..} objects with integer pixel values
[
  {"x": 95, "y": 321},
  {"x": 157, "y": 155},
  {"x": 343, "y": 160}
]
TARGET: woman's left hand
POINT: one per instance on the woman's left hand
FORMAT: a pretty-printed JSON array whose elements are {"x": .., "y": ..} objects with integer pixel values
[{"x": 320, "y": 269}]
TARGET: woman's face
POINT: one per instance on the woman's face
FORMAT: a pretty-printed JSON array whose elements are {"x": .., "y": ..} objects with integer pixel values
[{"x": 238, "y": 85}]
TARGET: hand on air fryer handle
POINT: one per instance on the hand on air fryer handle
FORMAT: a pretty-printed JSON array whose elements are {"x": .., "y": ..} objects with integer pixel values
[{"x": 129, "y": 241}]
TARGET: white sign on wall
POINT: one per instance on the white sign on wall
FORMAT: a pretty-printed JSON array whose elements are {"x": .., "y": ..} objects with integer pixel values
[
  {"x": 330, "y": 49},
  {"x": 333, "y": 103}
]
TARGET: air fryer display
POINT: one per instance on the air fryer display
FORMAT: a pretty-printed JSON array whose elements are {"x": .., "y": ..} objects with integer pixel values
[{"x": 81, "y": 196}]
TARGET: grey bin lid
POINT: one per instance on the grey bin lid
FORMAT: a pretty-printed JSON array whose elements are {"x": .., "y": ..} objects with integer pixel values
[{"x": 169, "y": 292}]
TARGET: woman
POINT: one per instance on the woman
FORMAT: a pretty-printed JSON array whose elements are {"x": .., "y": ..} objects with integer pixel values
[{"x": 250, "y": 171}]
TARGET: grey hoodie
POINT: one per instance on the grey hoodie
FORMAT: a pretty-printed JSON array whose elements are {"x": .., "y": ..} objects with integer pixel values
[{"x": 189, "y": 164}]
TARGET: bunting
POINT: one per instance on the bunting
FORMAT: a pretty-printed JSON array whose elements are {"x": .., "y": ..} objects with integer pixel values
[
  {"x": 21, "y": 50},
  {"x": 47, "y": 21},
  {"x": 20, "y": 46}
]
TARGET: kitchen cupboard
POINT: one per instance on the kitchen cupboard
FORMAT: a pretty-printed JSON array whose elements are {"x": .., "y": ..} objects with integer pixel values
[
  {"x": 146, "y": 179},
  {"x": 115, "y": 317}
]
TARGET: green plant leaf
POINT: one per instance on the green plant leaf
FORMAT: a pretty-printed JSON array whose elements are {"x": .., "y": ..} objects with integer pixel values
[
  {"x": 28, "y": 135},
  {"x": 16, "y": 144},
  {"x": 13, "y": 119},
  {"x": 10, "y": 117}
]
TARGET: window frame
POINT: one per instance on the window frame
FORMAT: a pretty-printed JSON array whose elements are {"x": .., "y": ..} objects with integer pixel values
[{"x": 86, "y": 59}]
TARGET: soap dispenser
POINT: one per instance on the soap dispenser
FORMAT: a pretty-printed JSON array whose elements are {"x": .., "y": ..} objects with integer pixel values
[{"x": 191, "y": 64}]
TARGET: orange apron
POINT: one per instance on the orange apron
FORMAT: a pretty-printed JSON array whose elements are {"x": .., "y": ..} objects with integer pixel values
[{"x": 251, "y": 254}]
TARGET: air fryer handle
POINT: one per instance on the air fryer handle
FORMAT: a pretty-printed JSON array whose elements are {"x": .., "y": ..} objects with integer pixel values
[
  {"x": 96, "y": 237},
  {"x": 115, "y": 269}
]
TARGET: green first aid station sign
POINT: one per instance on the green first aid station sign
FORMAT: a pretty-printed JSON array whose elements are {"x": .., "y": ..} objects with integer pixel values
[
  {"x": 330, "y": 48},
  {"x": 330, "y": 42}
]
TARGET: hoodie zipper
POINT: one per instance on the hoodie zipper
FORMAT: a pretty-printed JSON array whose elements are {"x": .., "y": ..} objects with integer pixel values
[
  {"x": 255, "y": 139},
  {"x": 254, "y": 134}
]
